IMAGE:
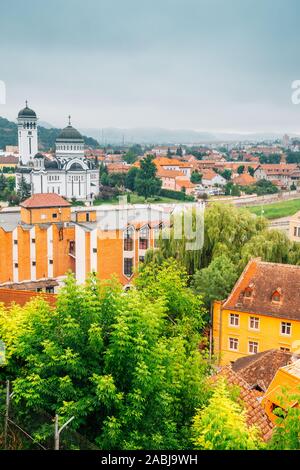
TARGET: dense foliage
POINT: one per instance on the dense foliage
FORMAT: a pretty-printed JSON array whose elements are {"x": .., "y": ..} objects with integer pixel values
[
  {"x": 232, "y": 236},
  {"x": 125, "y": 365}
]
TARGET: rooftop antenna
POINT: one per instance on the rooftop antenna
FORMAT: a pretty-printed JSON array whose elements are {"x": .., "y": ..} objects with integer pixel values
[
  {"x": 26, "y": 102},
  {"x": 69, "y": 119}
]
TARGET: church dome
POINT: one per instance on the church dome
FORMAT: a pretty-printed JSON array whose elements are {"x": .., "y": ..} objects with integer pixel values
[
  {"x": 39, "y": 155},
  {"x": 27, "y": 113},
  {"x": 69, "y": 133}
]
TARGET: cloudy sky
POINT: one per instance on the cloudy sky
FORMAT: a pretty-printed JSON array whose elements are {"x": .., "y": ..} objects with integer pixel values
[{"x": 216, "y": 65}]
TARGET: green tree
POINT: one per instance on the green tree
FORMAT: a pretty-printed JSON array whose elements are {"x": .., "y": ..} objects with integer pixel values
[
  {"x": 222, "y": 424},
  {"x": 241, "y": 169},
  {"x": 108, "y": 359},
  {"x": 3, "y": 184},
  {"x": 286, "y": 435},
  {"x": 226, "y": 174},
  {"x": 179, "y": 151},
  {"x": 169, "y": 153},
  {"x": 146, "y": 182},
  {"x": 130, "y": 157},
  {"x": 196, "y": 177},
  {"x": 24, "y": 189},
  {"x": 251, "y": 170},
  {"x": 130, "y": 178},
  {"x": 217, "y": 280},
  {"x": 105, "y": 179}
]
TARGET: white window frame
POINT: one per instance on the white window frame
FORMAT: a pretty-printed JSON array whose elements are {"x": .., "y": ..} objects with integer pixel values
[
  {"x": 254, "y": 318},
  {"x": 236, "y": 341},
  {"x": 235, "y": 316},
  {"x": 287, "y": 325},
  {"x": 253, "y": 345}
]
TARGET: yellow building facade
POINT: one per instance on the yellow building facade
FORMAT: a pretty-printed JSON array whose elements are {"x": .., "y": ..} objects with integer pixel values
[{"x": 261, "y": 313}]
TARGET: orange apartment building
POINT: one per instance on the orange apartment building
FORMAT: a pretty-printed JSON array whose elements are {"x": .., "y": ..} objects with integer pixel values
[
  {"x": 47, "y": 238},
  {"x": 261, "y": 313}
]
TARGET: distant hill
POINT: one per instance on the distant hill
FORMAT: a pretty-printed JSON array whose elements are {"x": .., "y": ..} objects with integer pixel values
[
  {"x": 9, "y": 136},
  {"x": 155, "y": 135}
]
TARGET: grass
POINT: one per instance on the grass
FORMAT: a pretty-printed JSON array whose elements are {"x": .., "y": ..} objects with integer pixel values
[
  {"x": 136, "y": 199},
  {"x": 277, "y": 209}
]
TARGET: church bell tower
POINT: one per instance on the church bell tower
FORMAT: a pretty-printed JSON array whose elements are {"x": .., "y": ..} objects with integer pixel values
[{"x": 27, "y": 135}]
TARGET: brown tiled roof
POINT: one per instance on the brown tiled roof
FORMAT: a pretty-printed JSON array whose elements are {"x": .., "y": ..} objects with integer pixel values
[
  {"x": 255, "y": 413},
  {"x": 9, "y": 296},
  {"x": 168, "y": 173},
  {"x": 263, "y": 280},
  {"x": 244, "y": 179},
  {"x": 208, "y": 174},
  {"x": 260, "y": 369},
  {"x": 9, "y": 160},
  {"x": 45, "y": 200}
]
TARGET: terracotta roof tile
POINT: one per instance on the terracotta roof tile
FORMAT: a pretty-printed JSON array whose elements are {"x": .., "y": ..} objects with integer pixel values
[
  {"x": 260, "y": 369},
  {"x": 255, "y": 412},
  {"x": 45, "y": 200},
  {"x": 263, "y": 279},
  {"x": 9, "y": 296}
]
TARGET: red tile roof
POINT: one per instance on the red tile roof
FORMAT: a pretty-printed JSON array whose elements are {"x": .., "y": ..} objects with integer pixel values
[
  {"x": 9, "y": 160},
  {"x": 255, "y": 413},
  {"x": 21, "y": 297},
  {"x": 264, "y": 279},
  {"x": 45, "y": 200},
  {"x": 260, "y": 369},
  {"x": 244, "y": 180}
]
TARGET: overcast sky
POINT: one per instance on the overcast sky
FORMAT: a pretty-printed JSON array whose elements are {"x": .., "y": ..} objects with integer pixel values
[{"x": 217, "y": 65}]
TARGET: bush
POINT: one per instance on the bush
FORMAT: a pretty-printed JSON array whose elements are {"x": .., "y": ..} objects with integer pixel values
[{"x": 176, "y": 195}]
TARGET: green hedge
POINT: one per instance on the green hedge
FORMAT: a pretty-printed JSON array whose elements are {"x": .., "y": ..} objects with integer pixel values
[{"x": 176, "y": 195}]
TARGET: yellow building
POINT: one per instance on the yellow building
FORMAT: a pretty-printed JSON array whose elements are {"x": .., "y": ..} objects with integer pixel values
[
  {"x": 8, "y": 162},
  {"x": 294, "y": 227},
  {"x": 261, "y": 313},
  {"x": 283, "y": 390}
]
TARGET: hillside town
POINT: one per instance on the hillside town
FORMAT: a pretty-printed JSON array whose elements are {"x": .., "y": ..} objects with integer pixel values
[
  {"x": 75, "y": 210},
  {"x": 149, "y": 233}
]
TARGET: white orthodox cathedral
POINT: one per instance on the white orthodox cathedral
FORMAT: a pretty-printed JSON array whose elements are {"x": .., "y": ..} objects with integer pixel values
[{"x": 68, "y": 173}]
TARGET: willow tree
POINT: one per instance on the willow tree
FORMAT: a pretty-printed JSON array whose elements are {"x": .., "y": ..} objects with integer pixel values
[{"x": 224, "y": 230}]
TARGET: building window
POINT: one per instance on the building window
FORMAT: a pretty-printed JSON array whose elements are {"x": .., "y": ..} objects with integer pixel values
[
  {"x": 276, "y": 296},
  {"x": 234, "y": 319},
  {"x": 33, "y": 240},
  {"x": 253, "y": 347},
  {"x": 128, "y": 267},
  {"x": 141, "y": 259},
  {"x": 254, "y": 323},
  {"x": 144, "y": 238},
  {"x": 284, "y": 349},
  {"x": 50, "y": 290},
  {"x": 128, "y": 239},
  {"x": 87, "y": 217},
  {"x": 94, "y": 250},
  {"x": 15, "y": 242},
  {"x": 16, "y": 265},
  {"x": 297, "y": 232},
  {"x": 33, "y": 263},
  {"x": 50, "y": 261},
  {"x": 54, "y": 216},
  {"x": 72, "y": 247},
  {"x": 233, "y": 344},
  {"x": 286, "y": 328}
]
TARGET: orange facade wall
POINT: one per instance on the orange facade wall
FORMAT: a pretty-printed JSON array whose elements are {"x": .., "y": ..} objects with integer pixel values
[
  {"x": 41, "y": 252},
  {"x": 23, "y": 254},
  {"x": 62, "y": 261},
  {"x": 82, "y": 216},
  {"x": 6, "y": 259},
  {"x": 45, "y": 215}
]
